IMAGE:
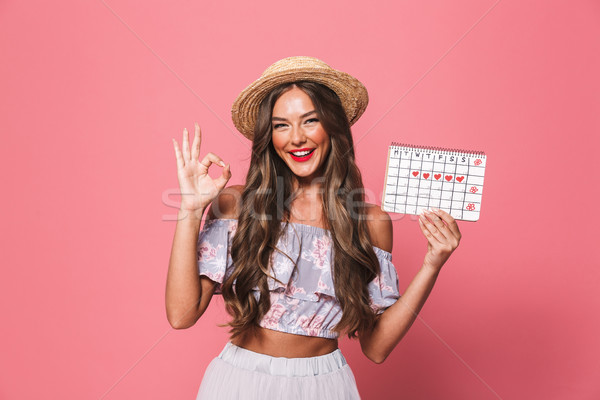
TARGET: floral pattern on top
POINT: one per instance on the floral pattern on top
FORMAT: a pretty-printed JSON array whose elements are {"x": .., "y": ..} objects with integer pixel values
[{"x": 302, "y": 293}]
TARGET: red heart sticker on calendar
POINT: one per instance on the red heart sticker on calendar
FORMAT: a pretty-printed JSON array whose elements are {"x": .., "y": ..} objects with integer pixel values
[
  {"x": 460, "y": 178},
  {"x": 415, "y": 173},
  {"x": 437, "y": 176},
  {"x": 448, "y": 177},
  {"x": 425, "y": 175}
]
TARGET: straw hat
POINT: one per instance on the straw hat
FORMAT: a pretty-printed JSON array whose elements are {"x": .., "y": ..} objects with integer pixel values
[{"x": 351, "y": 92}]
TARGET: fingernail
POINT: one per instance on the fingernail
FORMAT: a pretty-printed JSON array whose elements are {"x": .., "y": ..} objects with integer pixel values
[{"x": 221, "y": 163}]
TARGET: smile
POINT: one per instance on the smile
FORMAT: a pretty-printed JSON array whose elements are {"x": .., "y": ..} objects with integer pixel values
[{"x": 302, "y": 154}]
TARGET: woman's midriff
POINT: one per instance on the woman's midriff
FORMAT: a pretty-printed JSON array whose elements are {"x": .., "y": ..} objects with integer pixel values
[{"x": 281, "y": 344}]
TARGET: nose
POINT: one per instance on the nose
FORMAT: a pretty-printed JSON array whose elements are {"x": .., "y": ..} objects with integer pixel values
[{"x": 298, "y": 135}]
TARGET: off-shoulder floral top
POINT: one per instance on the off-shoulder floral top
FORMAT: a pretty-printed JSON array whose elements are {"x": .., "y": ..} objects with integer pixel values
[{"x": 303, "y": 299}]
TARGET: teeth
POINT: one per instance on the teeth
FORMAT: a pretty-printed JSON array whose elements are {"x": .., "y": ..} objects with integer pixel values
[{"x": 301, "y": 153}]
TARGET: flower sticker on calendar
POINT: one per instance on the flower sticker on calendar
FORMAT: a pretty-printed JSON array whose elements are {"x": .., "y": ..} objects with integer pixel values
[{"x": 420, "y": 177}]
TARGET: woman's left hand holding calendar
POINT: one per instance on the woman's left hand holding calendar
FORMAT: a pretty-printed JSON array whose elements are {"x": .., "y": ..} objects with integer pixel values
[{"x": 443, "y": 236}]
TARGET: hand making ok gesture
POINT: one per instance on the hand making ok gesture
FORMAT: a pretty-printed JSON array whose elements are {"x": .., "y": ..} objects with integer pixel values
[{"x": 198, "y": 189}]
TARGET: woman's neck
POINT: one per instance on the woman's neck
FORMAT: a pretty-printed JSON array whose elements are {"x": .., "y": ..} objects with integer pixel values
[
  {"x": 307, "y": 205},
  {"x": 313, "y": 189}
]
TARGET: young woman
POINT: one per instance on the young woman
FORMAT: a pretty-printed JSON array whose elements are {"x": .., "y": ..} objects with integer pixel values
[{"x": 297, "y": 254}]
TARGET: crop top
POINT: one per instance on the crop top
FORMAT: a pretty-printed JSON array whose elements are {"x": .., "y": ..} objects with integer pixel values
[{"x": 304, "y": 301}]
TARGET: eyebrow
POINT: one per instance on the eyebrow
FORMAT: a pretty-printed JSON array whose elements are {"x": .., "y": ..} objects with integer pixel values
[{"x": 302, "y": 116}]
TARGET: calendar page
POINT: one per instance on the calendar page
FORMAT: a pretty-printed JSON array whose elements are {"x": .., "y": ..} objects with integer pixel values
[{"x": 420, "y": 177}]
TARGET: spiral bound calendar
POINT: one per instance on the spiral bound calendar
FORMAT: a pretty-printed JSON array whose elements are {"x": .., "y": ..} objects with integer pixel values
[{"x": 420, "y": 177}]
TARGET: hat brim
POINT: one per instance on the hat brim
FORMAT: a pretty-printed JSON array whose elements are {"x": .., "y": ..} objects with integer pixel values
[{"x": 351, "y": 91}]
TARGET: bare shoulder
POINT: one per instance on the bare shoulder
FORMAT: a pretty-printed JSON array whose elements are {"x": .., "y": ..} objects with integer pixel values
[
  {"x": 227, "y": 203},
  {"x": 380, "y": 226}
]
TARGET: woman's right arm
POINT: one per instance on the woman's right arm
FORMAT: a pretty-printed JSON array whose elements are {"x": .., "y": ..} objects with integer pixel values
[{"x": 188, "y": 294}]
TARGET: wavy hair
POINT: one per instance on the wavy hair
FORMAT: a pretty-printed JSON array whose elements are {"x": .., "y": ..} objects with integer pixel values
[{"x": 269, "y": 181}]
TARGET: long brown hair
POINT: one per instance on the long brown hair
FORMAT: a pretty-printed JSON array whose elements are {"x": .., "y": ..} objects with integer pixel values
[{"x": 269, "y": 183}]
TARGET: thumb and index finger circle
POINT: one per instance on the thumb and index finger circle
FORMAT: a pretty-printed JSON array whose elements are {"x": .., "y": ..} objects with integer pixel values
[
  {"x": 212, "y": 158},
  {"x": 222, "y": 180}
]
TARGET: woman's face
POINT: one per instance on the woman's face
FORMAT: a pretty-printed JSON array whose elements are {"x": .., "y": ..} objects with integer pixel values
[{"x": 298, "y": 136}]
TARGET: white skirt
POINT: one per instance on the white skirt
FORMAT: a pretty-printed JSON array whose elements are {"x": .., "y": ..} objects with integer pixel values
[{"x": 240, "y": 374}]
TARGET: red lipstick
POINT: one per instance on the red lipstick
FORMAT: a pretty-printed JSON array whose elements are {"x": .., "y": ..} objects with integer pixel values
[{"x": 305, "y": 157}]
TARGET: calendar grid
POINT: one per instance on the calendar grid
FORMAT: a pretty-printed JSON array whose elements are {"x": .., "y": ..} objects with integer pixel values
[
  {"x": 452, "y": 197},
  {"x": 418, "y": 180},
  {"x": 420, "y": 177},
  {"x": 444, "y": 177},
  {"x": 397, "y": 176},
  {"x": 468, "y": 174}
]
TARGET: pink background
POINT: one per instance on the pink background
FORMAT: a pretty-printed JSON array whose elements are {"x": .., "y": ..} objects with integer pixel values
[{"x": 92, "y": 93}]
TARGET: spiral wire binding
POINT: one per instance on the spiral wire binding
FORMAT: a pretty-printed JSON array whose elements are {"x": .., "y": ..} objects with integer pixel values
[{"x": 439, "y": 150}]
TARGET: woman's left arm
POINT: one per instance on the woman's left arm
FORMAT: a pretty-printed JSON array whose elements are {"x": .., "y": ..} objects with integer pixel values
[{"x": 443, "y": 237}]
